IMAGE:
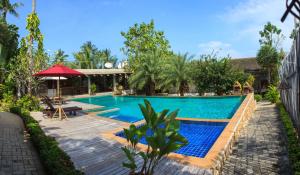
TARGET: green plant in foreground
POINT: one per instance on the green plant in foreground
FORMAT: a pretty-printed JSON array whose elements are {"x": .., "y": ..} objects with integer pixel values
[
  {"x": 164, "y": 139},
  {"x": 272, "y": 94}
]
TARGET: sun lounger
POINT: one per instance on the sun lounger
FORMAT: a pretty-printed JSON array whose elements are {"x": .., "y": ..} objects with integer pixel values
[
  {"x": 55, "y": 100},
  {"x": 50, "y": 110}
]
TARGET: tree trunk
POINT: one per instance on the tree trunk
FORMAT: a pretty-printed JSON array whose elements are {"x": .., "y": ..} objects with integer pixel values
[
  {"x": 269, "y": 76},
  {"x": 4, "y": 15},
  {"x": 150, "y": 88},
  {"x": 31, "y": 64},
  {"x": 181, "y": 89},
  {"x": 33, "y": 6}
]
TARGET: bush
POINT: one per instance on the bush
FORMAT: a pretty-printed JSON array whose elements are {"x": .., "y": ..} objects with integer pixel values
[
  {"x": 257, "y": 97},
  {"x": 272, "y": 94},
  {"x": 54, "y": 159},
  {"x": 293, "y": 142},
  {"x": 28, "y": 102},
  {"x": 7, "y": 101},
  {"x": 250, "y": 80}
]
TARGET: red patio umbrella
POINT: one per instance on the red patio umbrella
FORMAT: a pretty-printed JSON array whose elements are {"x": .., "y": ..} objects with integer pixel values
[{"x": 58, "y": 70}]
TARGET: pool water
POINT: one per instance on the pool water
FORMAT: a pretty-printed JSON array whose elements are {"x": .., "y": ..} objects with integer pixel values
[
  {"x": 200, "y": 135},
  {"x": 127, "y": 108}
]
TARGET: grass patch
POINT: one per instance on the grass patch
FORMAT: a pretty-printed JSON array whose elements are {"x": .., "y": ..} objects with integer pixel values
[
  {"x": 54, "y": 159},
  {"x": 292, "y": 138}
]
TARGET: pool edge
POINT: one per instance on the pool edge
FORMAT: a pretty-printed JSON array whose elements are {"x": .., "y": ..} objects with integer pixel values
[{"x": 215, "y": 157}]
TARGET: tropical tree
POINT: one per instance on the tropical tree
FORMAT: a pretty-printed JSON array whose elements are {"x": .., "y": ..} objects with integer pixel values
[
  {"x": 268, "y": 58},
  {"x": 31, "y": 57},
  {"x": 270, "y": 52},
  {"x": 148, "y": 73},
  {"x": 213, "y": 74},
  {"x": 142, "y": 38},
  {"x": 8, "y": 44},
  {"x": 271, "y": 35},
  {"x": 89, "y": 57},
  {"x": 108, "y": 57},
  {"x": 295, "y": 31},
  {"x": 177, "y": 73},
  {"x": 59, "y": 57},
  {"x": 7, "y": 7}
]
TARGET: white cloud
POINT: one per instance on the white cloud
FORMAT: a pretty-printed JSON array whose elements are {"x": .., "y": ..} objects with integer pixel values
[
  {"x": 249, "y": 16},
  {"x": 218, "y": 47}
]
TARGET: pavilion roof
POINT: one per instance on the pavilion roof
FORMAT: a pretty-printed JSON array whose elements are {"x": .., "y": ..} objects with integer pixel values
[{"x": 102, "y": 71}]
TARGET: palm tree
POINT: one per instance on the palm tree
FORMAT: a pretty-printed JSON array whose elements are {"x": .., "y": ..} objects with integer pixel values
[
  {"x": 7, "y": 7},
  {"x": 148, "y": 73},
  {"x": 89, "y": 57},
  {"x": 177, "y": 73},
  {"x": 108, "y": 57},
  {"x": 60, "y": 56}
]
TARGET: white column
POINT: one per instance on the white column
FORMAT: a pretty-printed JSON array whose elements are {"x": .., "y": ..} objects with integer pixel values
[
  {"x": 89, "y": 85},
  {"x": 114, "y": 82}
]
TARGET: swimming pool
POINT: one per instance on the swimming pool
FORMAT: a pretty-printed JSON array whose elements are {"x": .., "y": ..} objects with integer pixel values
[
  {"x": 125, "y": 108},
  {"x": 200, "y": 135}
]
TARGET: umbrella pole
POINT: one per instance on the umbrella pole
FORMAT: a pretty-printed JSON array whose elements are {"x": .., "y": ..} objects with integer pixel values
[{"x": 60, "y": 109}]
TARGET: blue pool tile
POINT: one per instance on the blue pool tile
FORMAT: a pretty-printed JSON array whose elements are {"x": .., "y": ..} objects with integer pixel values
[{"x": 200, "y": 135}]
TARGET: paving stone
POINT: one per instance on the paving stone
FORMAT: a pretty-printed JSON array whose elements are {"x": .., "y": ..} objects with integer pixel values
[
  {"x": 17, "y": 155},
  {"x": 261, "y": 146}
]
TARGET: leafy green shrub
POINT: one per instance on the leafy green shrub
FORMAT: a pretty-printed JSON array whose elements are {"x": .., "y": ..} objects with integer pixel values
[
  {"x": 272, "y": 94},
  {"x": 93, "y": 88},
  {"x": 28, "y": 102},
  {"x": 250, "y": 80},
  {"x": 258, "y": 97},
  {"x": 7, "y": 101},
  {"x": 54, "y": 159},
  {"x": 165, "y": 139},
  {"x": 293, "y": 142}
]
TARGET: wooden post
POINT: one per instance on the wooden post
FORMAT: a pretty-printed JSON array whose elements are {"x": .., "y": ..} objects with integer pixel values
[{"x": 89, "y": 85}]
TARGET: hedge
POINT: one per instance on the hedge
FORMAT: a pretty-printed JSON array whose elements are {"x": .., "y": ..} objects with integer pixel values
[
  {"x": 292, "y": 138},
  {"x": 54, "y": 159}
]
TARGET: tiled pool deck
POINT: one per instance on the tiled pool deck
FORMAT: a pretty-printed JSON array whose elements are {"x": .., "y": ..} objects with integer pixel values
[
  {"x": 81, "y": 138},
  {"x": 94, "y": 149}
]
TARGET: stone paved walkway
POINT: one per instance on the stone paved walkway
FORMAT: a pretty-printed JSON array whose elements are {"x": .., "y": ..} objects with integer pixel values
[
  {"x": 17, "y": 155},
  {"x": 260, "y": 148}
]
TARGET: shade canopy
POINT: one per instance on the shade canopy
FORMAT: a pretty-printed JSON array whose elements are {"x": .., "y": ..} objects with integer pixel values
[
  {"x": 54, "y": 78},
  {"x": 57, "y": 71}
]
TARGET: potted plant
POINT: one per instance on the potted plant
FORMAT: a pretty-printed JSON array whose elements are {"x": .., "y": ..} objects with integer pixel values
[{"x": 161, "y": 133}]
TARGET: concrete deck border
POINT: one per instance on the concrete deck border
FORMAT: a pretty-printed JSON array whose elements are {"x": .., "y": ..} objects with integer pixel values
[{"x": 215, "y": 158}]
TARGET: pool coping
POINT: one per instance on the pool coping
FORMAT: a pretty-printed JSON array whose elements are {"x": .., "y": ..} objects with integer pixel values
[{"x": 215, "y": 157}]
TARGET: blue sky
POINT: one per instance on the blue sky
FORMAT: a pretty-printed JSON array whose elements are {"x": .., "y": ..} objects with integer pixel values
[{"x": 194, "y": 26}]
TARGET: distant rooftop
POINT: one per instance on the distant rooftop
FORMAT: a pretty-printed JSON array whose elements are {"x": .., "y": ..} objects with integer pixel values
[
  {"x": 102, "y": 71},
  {"x": 246, "y": 64}
]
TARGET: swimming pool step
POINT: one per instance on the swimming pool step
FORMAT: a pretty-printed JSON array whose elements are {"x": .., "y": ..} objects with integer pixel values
[
  {"x": 98, "y": 109},
  {"x": 108, "y": 111},
  {"x": 115, "y": 114}
]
